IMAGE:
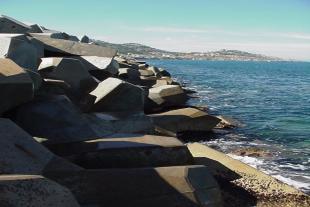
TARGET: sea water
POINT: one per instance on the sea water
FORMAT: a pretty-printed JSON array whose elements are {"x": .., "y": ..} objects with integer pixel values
[{"x": 270, "y": 99}]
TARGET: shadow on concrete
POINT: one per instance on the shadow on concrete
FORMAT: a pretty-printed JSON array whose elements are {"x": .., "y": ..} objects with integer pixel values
[
  {"x": 139, "y": 187},
  {"x": 232, "y": 195}
]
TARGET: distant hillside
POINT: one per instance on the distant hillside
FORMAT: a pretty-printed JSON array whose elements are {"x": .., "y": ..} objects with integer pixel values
[{"x": 134, "y": 50}]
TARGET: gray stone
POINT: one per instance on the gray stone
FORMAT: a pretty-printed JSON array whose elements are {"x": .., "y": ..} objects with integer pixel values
[
  {"x": 23, "y": 51},
  {"x": 183, "y": 120},
  {"x": 71, "y": 71},
  {"x": 125, "y": 150},
  {"x": 98, "y": 63},
  {"x": 36, "y": 79},
  {"x": 130, "y": 75},
  {"x": 85, "y": 39},
  {"x": 186, "y": 186},
  {"x": 16, "y": 86},
  {"x": 142, "y": 66},
  {"x": 119, "y": 123},
  {"x": 115, "y": 95},
  {"x": 73, "y": 38},
  {"x": 21, "y": 154},
  {"x": 33, "y": 190},
  {"x": 58, "y": 47},
  {"x": 156, "y": 71},
  {"x": 54, "y": 118},
  {"x": 35, "y": 29},
  {"x": 146, "y": 72},
  {"x": 166, "y": 96},
  {"x": 10, "y": 25},
  {"x": 164, "y": 72}
]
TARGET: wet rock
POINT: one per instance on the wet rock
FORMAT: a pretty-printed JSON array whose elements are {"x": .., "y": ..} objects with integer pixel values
[
  {"x": 33, "y": 190},
  {"x": 16, "y": 86},
  {"x": 227, "y": 123},
  {"x": 58, "y": 47},
  {"x": 125, "y": 151},
  {"x": 252, "y": 152},
  {"x": 71, "y": 71},
  {"x": 186, "y": 186},
  {"x": 21, "y": 154},
  {"x": 183, "y": 120},
  {"x": 115, "y": 95}
]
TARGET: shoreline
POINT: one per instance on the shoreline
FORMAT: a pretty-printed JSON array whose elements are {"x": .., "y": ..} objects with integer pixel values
[
  {"x": 100, "y": 129},
  {"x": 228, "y": 141}
]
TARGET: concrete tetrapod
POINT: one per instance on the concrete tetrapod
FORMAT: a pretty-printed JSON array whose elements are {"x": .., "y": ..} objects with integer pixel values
[
  {"x": 183, "y": 120},
  {"x": 23, "y": 50},
  {"x": 125, "y": 151},
  {"x": 115, "y": 95},
  {"x": 186, "y": 186},
  {"x": 242, "y": 185},
  {"x": 60, "y": 48},
  {"x": 16, "y": 86},
  {"x": 71, "y": 71},
  {"x": 165, "y": 96},
  {"x": 21, "y": 154},
  {"x": 33, "y": 190}
]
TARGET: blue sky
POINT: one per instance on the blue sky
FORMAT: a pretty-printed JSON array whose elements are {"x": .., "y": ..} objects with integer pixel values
[{"x": 272, "y": 27}]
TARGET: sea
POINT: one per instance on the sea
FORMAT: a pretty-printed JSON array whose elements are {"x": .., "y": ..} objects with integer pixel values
[{"x": 270, "y": 100}]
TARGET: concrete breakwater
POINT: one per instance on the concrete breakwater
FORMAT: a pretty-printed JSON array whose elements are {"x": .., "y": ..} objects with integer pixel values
[{"x": 82, "y": 126}]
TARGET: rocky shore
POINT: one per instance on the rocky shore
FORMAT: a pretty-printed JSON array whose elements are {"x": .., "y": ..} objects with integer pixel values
[{"x": 81, "y": 125}]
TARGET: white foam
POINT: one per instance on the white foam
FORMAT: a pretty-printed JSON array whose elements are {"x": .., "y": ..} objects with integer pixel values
[
  {"x": 292, "y": 182},
  {"x": 259, "y": 164}
]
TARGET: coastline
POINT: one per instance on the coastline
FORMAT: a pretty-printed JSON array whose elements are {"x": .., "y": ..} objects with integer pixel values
[{"x": 106, "y": 130}]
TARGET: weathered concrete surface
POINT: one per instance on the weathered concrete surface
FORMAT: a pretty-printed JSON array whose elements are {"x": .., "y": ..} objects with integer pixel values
[
  {"x": 16, "y": 86},
  {"x": 58, "y": 47},
  {"x": 164, "y": 73},
  {"x": 183, "y": 120},
  {"x": 130, "y": 75},
  {"x": 98, "y": 63},
  {"x": 71, "y": 71},
  {"x": 146, "y": 72},
  {"x": 21, "y": 154},
  {"x": 22, "y": 50},
  {"x": 32, "y": 190},
  {"x": 36, "y": 79},
  {"x": 125, "y": 150},
  {"x": 115, "y": 95},
  {"x": 166, "y": 95},
  {"x": 186, "y": 186},
  {"x": 35, "y": 28},
  {"x": 242, "y": 185},
  {"x": 120, "y": 123},
  {"x": 54, "y": 118},
  {"x": 10, "y": 25}
]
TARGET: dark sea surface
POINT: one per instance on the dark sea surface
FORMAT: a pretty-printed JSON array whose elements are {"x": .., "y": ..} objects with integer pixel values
[{"x": 270, "y": 99}]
